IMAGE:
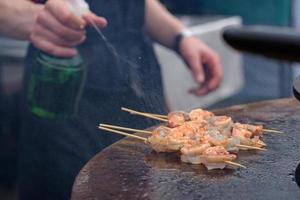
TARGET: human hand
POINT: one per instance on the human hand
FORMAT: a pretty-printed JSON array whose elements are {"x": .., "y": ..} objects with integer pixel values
[
  {"x": 58, "y": 31},
  {"x": 204, "y": 64}
]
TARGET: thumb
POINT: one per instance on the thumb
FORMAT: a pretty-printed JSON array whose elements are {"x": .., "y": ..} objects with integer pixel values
[{"x": 93, "y": 19}]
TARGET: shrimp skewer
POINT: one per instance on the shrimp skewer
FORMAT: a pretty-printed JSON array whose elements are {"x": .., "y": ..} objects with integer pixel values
[
  {"x": 209, "y": 162},
  {"x": 211, "y": 157},
  {"x": 214, "y": 157},
  {"x": 246, "y": 138},
  {"x": 166, "y": 139},
  {"x": 175, "y": 119}
]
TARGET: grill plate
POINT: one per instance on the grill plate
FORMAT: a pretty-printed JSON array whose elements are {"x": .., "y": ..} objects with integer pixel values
[{"x": 130, "y": 170}]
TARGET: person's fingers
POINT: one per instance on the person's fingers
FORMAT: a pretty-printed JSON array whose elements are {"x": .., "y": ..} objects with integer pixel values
[
  {"x": 212, "y": 82},
  {"x": 194, "y": 62},
  {"x": 46, "y": 20},
  {"x": 201, "y": 90},
  {"x": 213, "y": 67},
  {"x": 92, "y": 19},
  {"x": 60, "y": 10},
  {"x": 51, "y": 48},
  {"x": 53, "y": 38},
  {"x": 204, "y": 63}
]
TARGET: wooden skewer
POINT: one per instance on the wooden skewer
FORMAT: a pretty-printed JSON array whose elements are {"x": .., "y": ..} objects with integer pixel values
[
  {"x": 235, "y": 164},
  {"x": 250, "y": 147},
  {"x": 272, "y": 131},
  {"x": 125, "y": 129},
  {"x": 123, "y": 133},
  {"x": 155, "y": 115},
  {"x": 160, "y": 116},
  {"x": 143, "y": 114}
]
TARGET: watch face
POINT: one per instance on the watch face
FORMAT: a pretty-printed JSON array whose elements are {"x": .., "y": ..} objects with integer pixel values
[{"x": 296, "y": 87}]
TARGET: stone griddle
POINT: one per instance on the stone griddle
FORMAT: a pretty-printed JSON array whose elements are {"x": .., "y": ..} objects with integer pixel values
[{"x": 129, "y": 169}]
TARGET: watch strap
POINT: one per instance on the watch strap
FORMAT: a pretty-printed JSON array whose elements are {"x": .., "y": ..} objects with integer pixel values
[{"x": 178, "y": 38}]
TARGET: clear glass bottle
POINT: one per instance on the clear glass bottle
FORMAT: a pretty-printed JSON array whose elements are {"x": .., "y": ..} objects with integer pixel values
[{"x": 55, "y": 86}]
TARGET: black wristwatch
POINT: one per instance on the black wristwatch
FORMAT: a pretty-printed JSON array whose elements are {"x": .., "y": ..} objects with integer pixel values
[{"x": 178, "y": 38}]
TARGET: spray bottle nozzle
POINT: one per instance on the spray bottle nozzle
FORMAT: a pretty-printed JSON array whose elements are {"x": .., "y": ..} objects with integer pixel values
[{"x": 78, "y": 7}]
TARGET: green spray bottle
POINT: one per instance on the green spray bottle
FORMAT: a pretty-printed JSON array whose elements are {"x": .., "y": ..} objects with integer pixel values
[{"x": 56, "y": 84}]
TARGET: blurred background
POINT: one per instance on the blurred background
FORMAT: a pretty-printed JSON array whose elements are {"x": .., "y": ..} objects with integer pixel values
[{"x": 248, "y": 78}]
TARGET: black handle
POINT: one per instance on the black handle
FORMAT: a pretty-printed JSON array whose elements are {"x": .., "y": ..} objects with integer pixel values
[
  {"x": 296, "y": 88},
  {"x": 278, "y": 43}
]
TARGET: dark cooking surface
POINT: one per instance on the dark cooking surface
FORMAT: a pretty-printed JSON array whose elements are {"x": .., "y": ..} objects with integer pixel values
[{"x": 129, "y": 170}]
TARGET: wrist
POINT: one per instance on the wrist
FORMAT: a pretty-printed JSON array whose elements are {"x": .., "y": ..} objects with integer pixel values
[{"x": 179, "y": 38}]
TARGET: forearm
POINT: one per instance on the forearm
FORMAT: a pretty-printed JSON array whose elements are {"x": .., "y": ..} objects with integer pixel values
[
  {"x": 17, "y": 18},
  {"x": 160, "y": 24}
]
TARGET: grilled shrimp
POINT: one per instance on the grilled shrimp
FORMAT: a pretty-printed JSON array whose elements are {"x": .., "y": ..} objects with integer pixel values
[
  {"x": 191, "y": 152},
  {"x": 159, "y": 141},
  {"x": 214, "y": 157},
  {"x": 177, "y": 118},
  {"x": 255, "y": 129},
  {"x": 215, "y": 138},
  {"x": 246, "y": 138},
  {"x": 222, "y": 123},
  {"x": 199, "y": 114},
  {"x": 218, "y": 154}
]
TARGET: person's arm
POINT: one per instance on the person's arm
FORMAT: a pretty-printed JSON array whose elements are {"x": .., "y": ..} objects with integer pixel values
[
  {"x": 161, "y": 25},
  {"x": 17, "y": 18},
  {"x": 52, "y": 27},
  {"x": 204, "y": 63}
]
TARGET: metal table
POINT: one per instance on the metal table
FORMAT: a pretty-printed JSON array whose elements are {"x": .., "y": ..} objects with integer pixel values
[{"x": 129, "y": 169}]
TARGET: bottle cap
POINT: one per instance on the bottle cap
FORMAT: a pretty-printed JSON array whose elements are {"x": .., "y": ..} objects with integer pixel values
[{"x": 78, "y": 7}]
